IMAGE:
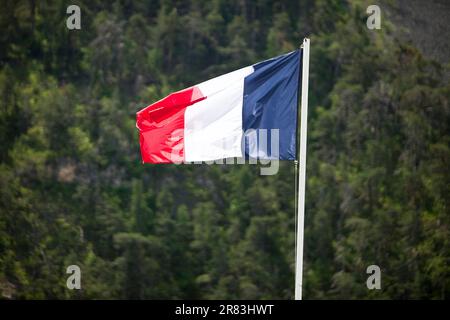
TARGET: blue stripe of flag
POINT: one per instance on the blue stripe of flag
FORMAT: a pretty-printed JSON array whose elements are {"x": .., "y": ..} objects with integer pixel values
[{"x": 270, "y": 102}]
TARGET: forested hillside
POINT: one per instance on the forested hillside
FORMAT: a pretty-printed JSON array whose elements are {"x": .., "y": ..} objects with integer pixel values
[{"x": 73, "y": 189}]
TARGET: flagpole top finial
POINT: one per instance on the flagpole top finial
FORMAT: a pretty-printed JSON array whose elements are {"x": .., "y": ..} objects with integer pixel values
[{"x": 305, "y": 39}]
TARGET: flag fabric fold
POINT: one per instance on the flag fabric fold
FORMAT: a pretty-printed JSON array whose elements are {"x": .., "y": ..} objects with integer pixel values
[{"x": 220, "y": 118}]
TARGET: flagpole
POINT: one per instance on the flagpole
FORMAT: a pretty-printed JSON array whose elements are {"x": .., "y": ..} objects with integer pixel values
[{"x": 302, "y": 171}]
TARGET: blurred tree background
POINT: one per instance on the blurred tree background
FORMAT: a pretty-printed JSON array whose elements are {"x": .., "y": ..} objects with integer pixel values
[{"x": 73, "y": 190}]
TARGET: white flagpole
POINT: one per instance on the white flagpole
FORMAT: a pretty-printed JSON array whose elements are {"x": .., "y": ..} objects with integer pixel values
[{"x": 302, "y": 172}]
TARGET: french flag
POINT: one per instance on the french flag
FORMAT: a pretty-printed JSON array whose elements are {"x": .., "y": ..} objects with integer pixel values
[{"x": 220, "y": 118}]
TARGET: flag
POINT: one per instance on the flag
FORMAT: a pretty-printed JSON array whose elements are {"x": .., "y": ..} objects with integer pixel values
[{"x": 220, "y": 118}]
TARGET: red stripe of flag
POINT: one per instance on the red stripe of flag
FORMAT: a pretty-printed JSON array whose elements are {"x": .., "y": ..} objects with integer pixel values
[{"x": 161, "y": 126}]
